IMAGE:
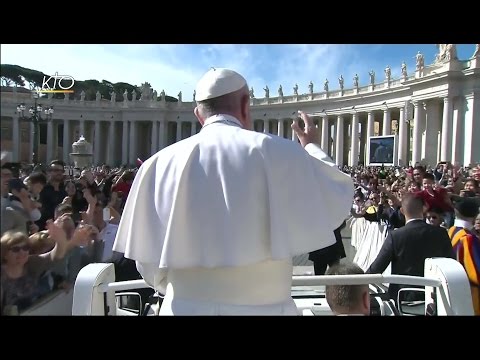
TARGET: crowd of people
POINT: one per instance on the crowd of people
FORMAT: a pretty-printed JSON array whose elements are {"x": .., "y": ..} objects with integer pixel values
[
  {"x": 213, "y": 221},
  {"x": 54, "y": 223},
  {"x": 401, "y": 216},
  {"x": 41, "y": 207}
]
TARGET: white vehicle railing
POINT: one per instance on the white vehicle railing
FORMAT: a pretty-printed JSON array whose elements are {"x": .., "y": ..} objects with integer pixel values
[
  {"x": 364, "y": 279},
  {"x": 445, "y": 279}
]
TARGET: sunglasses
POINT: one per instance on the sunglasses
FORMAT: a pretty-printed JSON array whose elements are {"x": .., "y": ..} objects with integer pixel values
[{"x": 17, "y": 249}]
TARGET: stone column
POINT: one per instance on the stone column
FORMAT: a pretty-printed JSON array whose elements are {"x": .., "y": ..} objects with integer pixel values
[
  {"x": 96, "y": 143},
  {"x": 402, "y": 139},
  {"x": 370, "y": 125},
  {"x": 67, "y": 142},
  {"x": 431, "y": 132},
  {"x": 280, "y": 128},
  {"x": 161, "y": 135},
  {"x": 339, "y": 141},
  {"x": 154, "y": 138},
  {"x": 332, "y": 138},
  {"x": 265, "y": 126},
  {"x": 16, "y": 139},
  {"x": 193, "y": 130},
  {"x": 387, "y": 123},
  {"x": 111, "y": 144},
  {"x": 363, "y": 141},
  {"x": 370, "y": 132},
  {"x": 133, "y": 143},
  {"x": 417, "y": 135},
  {"x": 458, "y": 127},
  {"x": 294, "y": 136},
  {"x": 50, "y": 141},
  {"x": 472, "y": 130},
  {"x": 446, "y": 130},
  {"x": 324, "y": 143},
  {"x": 125, "y": 143},
  {"x": 179, "y": 131},
  {"x": 318, "y": 125},
  {"x": 354, "y": 140},
  {"x": 81, "y": 129}
]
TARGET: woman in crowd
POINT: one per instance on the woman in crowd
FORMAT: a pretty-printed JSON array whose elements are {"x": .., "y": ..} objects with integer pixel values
[{"x": 21, "y": 271}]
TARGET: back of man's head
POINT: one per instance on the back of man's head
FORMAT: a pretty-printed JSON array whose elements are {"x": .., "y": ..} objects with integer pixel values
[
  {"x": 223, "y": 91},
  {"x": 347, "y": 299},
  {"x": 466, "y": 209},
  {"x": 412, "y": 206}
]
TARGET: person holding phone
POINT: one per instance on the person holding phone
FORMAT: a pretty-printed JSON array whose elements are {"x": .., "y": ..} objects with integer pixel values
[{"x": 19, "y": 199}]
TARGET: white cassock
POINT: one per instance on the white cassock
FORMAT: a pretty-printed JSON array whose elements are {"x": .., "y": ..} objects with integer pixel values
[{"x": 214, "y": 220}]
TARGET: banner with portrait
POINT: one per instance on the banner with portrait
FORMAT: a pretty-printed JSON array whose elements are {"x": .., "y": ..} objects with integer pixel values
[{"x": 382, "y": 150}]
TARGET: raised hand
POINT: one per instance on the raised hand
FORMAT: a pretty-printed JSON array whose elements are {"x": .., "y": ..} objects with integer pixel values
[
  {"x": 309, "y": 134},
  {"x": 56, "y": 229},
  {"x": 87, "y": 194},
  {"x": 83, "y": 235}
]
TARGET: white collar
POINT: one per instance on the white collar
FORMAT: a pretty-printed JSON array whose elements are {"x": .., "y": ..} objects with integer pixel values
[
  {"x": 223, "y": 118},
  {"x": 463, "y": 224},
  {"x": 414, "y": 220}
]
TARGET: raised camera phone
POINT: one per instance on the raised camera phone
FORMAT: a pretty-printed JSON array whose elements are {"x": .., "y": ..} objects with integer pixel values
[{"x": 106, "y": 214}]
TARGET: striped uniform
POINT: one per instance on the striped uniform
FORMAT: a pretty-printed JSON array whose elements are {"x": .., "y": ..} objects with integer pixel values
[{"x": 467, "y": 249}]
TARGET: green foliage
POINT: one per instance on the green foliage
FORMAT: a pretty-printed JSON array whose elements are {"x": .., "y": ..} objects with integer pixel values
[
  {"x": 11, "y": 73},
  {"x": 14, "y": 74}
]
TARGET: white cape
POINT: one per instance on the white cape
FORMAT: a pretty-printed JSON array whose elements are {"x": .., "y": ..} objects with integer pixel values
[{"x": 232, "y": 197}]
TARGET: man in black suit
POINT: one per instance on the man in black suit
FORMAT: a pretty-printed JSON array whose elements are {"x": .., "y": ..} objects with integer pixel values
[
  {"x": 330, "y": 255},
  {"x": 408, "y": 247}
]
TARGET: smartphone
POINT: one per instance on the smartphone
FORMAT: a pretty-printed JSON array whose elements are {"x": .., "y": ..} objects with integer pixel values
[
  {"x": 106, "y": 214},
  {"x": 16, "y": 184}
]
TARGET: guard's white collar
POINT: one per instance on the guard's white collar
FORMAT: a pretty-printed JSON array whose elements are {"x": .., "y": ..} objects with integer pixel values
[{"x": 227, "y": 119}]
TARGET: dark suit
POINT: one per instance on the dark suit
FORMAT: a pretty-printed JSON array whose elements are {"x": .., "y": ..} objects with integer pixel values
[
  {"x": 408, "y": 247},
  {"x": 329, "y": 255},
  {"x": 394, "y": 218},
  {"x": 126, "y": 269}
]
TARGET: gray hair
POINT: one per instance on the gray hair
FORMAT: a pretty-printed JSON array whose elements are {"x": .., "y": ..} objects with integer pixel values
[
  {"x": 344, "y": 297},
  {"x": 223, "y": 104}
]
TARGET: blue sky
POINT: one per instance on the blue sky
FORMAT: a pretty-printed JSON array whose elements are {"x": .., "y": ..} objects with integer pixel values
[{"x": 176, "y": 68}]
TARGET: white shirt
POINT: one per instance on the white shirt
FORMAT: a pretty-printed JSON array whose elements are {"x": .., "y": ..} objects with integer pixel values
[
  {"x": 230, "y": 197},
  {"x": 410, "y": 220},
  {"x": 463, "y": 224},
  {"x": 108, "y": 235}
]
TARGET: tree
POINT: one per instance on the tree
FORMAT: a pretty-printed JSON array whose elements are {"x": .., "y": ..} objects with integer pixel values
[{"x": 20, "y": 76}]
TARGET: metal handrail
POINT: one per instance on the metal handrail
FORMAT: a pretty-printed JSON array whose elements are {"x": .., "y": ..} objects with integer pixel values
[
  {"x": 309, "y": 281},
  {"x": 364, "y": 280}
]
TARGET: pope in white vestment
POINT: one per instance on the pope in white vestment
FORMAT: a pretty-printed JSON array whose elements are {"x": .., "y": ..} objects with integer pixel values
[{"x": 214, "y": 220}]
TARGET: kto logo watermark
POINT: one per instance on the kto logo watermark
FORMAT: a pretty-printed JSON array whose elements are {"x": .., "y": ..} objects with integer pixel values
[{"x": 57, "y": 84}]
